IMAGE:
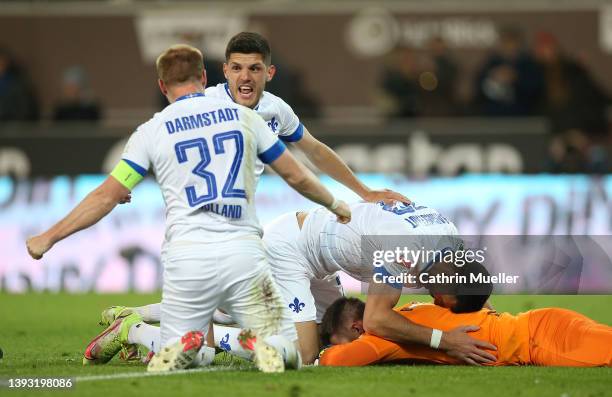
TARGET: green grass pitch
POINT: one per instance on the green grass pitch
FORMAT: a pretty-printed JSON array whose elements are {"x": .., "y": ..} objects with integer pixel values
[{"x": 45, "y": 335}]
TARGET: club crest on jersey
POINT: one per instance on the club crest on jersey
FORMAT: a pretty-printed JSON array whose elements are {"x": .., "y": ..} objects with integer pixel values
[
  {"x": 223, "y": 343},
  {"x": 400, "y": 208},
  {"x": 297, "y": 306},
  {"x": 273, "y": 124}
]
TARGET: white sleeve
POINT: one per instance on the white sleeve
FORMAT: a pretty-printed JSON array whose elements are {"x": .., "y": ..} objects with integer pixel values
[
  {"x": 292, "y": 129},
  {"x": 135, "y": 152},
  {"x": 269, "y": 147},
  {"x": 213, "y": 92}
]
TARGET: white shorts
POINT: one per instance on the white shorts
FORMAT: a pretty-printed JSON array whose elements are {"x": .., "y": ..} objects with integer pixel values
[
  {"x": 200, "y": 277},
  {"x": 306, "y": 296}
]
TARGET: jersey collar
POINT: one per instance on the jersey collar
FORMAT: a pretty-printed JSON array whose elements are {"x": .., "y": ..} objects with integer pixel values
[{"x": 192, "y": 95}]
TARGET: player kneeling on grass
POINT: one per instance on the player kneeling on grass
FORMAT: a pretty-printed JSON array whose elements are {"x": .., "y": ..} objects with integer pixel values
[
  {"x": 545, "y": 337},
  {"x": 203, "y": 153},
  {"x": 298, "y": 248}
]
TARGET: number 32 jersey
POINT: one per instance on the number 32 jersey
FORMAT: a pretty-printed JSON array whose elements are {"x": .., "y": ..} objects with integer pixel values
[{"x": 203, "y": 152}]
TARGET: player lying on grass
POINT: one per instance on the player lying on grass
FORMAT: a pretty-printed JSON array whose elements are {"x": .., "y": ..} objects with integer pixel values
[
  {"x": 546, "y": 337},
  {"x": 306, "y": 250},
  {"x": 203, "y": 152}
]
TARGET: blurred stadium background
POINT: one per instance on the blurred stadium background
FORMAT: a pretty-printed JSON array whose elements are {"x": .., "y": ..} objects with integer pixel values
[{"x": 495, "y": 112}]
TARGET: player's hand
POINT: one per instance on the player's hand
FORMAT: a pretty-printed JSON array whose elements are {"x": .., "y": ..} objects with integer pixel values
[
  {"x": 343, "y": 212},
  {"x": 37, "y": 246},
  {"x": 126, "y": 199},
  {"x": 387, "y": 196},
  {"x": 460, "y": 345}
]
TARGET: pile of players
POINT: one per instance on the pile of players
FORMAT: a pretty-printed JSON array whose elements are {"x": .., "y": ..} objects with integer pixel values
[{"x": 277, "y": 299}]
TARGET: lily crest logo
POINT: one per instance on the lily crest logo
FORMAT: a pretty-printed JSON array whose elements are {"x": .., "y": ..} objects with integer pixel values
[
  {"x": 297, "y": 306},
  {"x": 273, "y": 124},
  {"x": 223, "y": 343}
]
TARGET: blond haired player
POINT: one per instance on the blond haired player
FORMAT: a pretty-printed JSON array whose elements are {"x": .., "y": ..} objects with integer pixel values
[
  {"x": 202, "y": 152},
  {"x": 248, "y": 68},
  {"x": 305, "y": 252}
]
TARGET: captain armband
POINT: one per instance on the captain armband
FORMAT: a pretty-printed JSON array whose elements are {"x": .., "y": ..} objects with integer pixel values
[{"x": 129, "y": 175}]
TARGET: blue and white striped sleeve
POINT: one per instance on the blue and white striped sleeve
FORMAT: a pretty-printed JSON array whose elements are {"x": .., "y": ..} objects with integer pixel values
[{"x": 135, "y": 152}]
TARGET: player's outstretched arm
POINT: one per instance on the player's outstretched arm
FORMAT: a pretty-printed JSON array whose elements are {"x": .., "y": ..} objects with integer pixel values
[
  {"x": 301, "y": 179},
  {"x": 380, "y": 319},
  {"x": 329, "y": 162},
  {"x": 94, "y": 207}
]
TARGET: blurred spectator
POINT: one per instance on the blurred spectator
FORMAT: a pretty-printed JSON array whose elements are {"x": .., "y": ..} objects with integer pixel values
[
  {"x": 438, "y": 81},
  {"x": 76, "y": 103},
  {"x": 573, "y": 151},
  {"x": 510, "y": 82},
  {"x": 576, "y": 107},
  {"x": 400, "y": 84},
  {"x": 17, "y": 100}
]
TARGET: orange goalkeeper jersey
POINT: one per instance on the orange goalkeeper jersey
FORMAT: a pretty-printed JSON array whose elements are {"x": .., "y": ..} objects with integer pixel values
[{"x": 509, "y": 333}]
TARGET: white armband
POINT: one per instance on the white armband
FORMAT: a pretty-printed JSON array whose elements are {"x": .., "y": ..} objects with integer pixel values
[{"x": 436, "y": 337}]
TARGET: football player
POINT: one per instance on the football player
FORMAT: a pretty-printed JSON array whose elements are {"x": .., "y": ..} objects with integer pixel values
[
  {"x": 202, "y": 151},
  {"x": 305, "y": 252}
]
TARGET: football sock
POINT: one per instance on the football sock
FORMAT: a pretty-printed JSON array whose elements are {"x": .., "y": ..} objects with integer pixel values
[
  {"x": 145, "y": 335},
  {"x": 149, "y": 313},
  {"x": 287, "y": 349},
  {"x": 205, "y": 356},
  {"x": 226, "y": 338}
]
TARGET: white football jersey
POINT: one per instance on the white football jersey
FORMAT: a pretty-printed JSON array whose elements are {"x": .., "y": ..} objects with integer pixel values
[
  {"x": 278, "y": 115},
  {"x": 202, "y": 152},
  {"x": 329, "y": 246}
]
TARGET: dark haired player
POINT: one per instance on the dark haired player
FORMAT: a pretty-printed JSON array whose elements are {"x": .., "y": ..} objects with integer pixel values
[
  {"x": 202, "y": 151},
  {"x": 306, "y": 250},
  {"x": 247, "y": 68}
]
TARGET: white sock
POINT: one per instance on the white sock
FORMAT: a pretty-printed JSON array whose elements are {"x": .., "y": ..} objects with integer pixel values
[
  {"x": 149, "y": 313},
  {"x": 145, "y": 335},
  {"x": 289, "y": 350},
  {"x": 205, "y": 356},
  {"x": 226, "y": 338}
]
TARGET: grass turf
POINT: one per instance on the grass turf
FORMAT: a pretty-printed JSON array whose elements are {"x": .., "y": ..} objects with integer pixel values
[{"x": 44, "y": 335}]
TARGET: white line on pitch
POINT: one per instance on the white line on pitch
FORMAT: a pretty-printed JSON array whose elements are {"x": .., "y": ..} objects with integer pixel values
[{"x": 130, "y": 375}]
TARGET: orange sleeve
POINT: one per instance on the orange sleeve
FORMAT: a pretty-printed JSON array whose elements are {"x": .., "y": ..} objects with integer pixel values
[{"x": 366, "y": 350}]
